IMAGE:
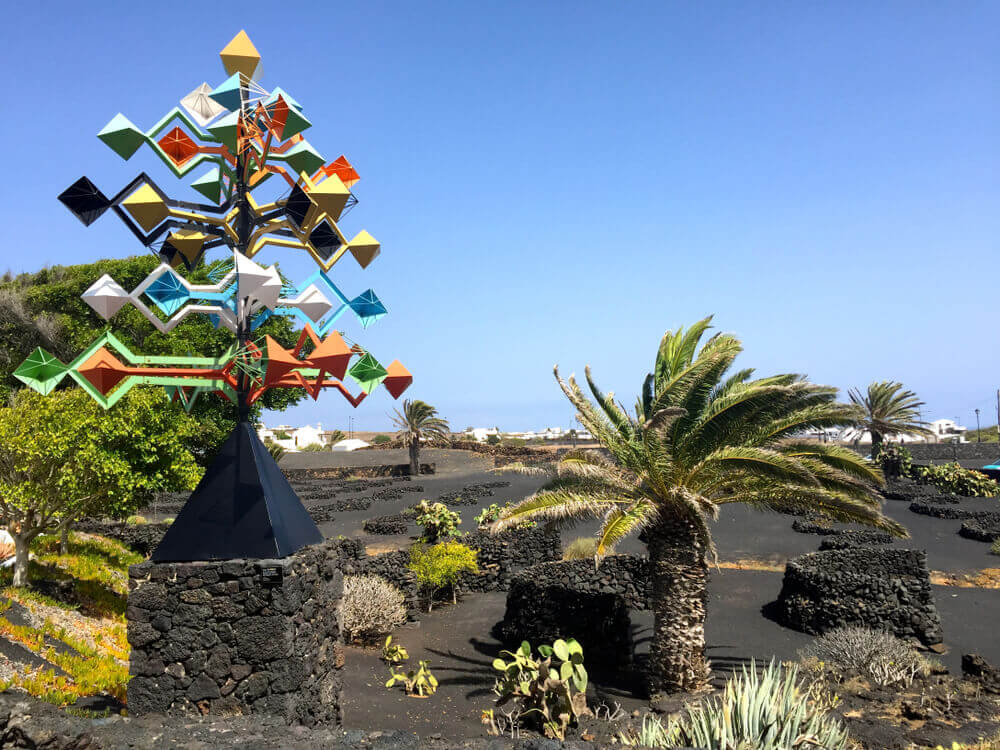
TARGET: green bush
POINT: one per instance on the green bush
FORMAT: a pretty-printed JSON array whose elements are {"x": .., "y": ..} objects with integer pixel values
[
  {"x": 492, "y": 439},
  {"x": 492, "y": 512},
  {"x": 282, "y": 435},
  {"x": 952, "y": 478},
  {"x": 581, "y": 548},
  {"x": 437, "y": 521},
  {"x": 995, "y": 547},
  {"x": 381, "y": 439},
  {"x": 440, "y": 566},
  {"x": 314, "y": 448},
  {"x": 894, "y": 460},
  {"x": 767, "y": 711}
]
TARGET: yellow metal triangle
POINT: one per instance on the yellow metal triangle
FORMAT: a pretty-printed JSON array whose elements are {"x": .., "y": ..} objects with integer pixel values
[
  {"x": 331, "y": 196},
  {"x": 364, "y": 248},
  {"x": 188, "y": 242},
  {"x": 240, "y": 56},
  {"x": 146, "y": 207}
]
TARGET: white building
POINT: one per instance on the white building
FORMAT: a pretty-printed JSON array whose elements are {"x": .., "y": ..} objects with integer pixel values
[
  {"x": 947, "y": 431},
  {"x": 297, "y": 437}
]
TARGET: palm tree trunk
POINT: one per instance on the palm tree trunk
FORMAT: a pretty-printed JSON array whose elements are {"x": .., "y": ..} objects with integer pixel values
[
  {"x": 678, "y": 592},
  {"x": 876, "y": 443},
  {"x": 414, "y": 457}
]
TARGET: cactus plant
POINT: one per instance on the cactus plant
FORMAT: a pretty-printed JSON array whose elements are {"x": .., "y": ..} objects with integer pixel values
[
  {"x": 393, "y": 653},
  {"x": 419, "y": 683},
  {"x": 550, "y": 688}
]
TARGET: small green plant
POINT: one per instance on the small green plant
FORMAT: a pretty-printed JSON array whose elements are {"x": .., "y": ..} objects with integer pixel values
[
  {"x": 581, "y": 548},
  {"x": 314, "y": 448},
  {"x": 381, "y": 440},
  {"x": 894, "y": 460},
  {"x": 550, "y": 688},
  {"x": 765, "y": 711},
  {"x": 282, "y": 435},
  {"x": 419, "y": 683},
  {"x": 492, "y": 512},
  {"x": 492, "y": 439},
  {"x": 393, "y": 653},
  {"x": 995, "y": 547},
  {"x": 136, "y": 520},
  {"x": 441, "y": 566},
  {"x": 954, "y": 479},
  {"x": 437, "y": 521},
  {"x": 873, "y": 654}
]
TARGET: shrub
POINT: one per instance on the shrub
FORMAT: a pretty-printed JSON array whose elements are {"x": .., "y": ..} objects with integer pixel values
[
  {"x": 995, "y": 547},
  {"x": 581, "y": 548},
  {"x": 371, "y": 608},
  {"x": 441, "y": 566},
  {"x": 769, "y": 711},
  {"x": 314, "y": 448},
  {"x": 492, "y": 439},
  {"x": 492, "y": 512},
  {"x": 894, "y": 460},
  {"x": 550, "y": 688},
  {"x": 381, "y": 439},
  {"x": 282, "y": 435},
  {"x": 437, "y": 521},
  {"x": 879, "y": 656},
  {"x": 136, "y": 520},
  {"x": 952, "y": 478}
]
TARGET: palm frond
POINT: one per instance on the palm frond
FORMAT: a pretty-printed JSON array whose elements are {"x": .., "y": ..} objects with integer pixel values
[{"x": 619, "y": 523}]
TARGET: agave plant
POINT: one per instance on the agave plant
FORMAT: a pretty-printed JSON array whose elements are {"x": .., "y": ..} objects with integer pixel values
[{"x": 700, "y": 437}]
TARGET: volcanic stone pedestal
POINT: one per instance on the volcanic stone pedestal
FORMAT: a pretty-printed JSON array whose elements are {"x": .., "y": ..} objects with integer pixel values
[{"x": 238, "y": 637}]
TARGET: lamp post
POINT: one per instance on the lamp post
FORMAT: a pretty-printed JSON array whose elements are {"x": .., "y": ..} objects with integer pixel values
[{"x": 979, "y": 435}]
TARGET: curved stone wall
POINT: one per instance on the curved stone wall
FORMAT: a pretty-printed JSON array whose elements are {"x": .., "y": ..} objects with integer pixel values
[{"x": 867, "y": 586}]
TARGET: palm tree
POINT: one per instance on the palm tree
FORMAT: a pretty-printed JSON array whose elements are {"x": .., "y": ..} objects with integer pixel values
[
  {"x": 418, "y": 421},
  {"x": 700, "y": 438},
  {"x": 887, "y": 409}
]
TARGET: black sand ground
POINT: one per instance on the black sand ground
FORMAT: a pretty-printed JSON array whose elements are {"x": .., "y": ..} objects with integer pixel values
[{"x": 458, "y": 643}]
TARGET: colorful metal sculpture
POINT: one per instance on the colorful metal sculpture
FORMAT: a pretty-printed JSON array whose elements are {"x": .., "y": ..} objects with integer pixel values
[{"x": 244, "y": 135}]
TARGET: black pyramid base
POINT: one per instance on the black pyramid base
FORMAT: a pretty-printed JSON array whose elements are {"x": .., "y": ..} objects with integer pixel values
[{"x": 242, "y": 508}]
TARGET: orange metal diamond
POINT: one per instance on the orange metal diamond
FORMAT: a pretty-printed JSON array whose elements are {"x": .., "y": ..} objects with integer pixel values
[{"x": 178, "y": 146}]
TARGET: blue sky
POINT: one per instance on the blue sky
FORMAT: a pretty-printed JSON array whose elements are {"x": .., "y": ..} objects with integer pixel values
[{"x": 561, "y": 182}]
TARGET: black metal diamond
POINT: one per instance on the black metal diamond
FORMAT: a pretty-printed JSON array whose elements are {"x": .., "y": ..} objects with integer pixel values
[
  {"x": 85, "y": 201},
  {"x": 325, "y": 240},
  {"x": 297, "y": 206}
]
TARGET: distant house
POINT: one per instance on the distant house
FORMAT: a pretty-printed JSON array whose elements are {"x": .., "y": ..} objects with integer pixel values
[
  {"x": 351, "y": 444},
  {"x": 479, "y": 434},
  {"x": 947, "y": 431},
  {"x": 297, "y": 437}
]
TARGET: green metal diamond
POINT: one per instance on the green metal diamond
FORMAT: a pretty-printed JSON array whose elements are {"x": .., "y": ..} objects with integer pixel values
[
  {"x": 368, "y": 373},
  {"x": 41, "y": 371}
]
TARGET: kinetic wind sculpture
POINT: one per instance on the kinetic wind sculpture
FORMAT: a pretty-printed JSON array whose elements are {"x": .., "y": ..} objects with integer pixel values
[{"x": 244, "y": 506}]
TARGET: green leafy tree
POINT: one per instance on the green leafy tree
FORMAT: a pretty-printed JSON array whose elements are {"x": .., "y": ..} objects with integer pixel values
[
  {"x": 418, "y": 422},
  {"x": 702, "y": 436},
  {"x": 45, "y": 309},
  {"x": 887, "y": 409},
  {"x": 63, "y": 457}
]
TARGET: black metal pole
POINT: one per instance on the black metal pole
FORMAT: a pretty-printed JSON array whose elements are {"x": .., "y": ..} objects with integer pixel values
[{"x": 243, "y": 230}]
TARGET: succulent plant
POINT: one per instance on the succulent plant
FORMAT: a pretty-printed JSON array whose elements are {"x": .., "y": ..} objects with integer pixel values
[
  {"x": 393, "y": 653},
  {"x": 550, "y": 688},
  {"x": 418, "y": 682}
]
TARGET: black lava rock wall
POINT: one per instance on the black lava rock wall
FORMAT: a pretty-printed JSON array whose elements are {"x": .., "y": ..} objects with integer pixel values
[
  {"x": 238, "y": 636},
  {"x": 500, "y": 557},
  {"x": 873, "y": 587}
]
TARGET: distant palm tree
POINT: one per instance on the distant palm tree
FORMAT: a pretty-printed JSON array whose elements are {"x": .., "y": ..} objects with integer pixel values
[
  {"x": 700, "y": 438},
  {"x": 418, "y": 421},
  {"x": 336, "y": 436},
  {"x": 886, "y": 410}
]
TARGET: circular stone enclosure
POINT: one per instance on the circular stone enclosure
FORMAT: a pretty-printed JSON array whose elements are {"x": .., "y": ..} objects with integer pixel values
[{"x": 875, "y": 587}]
